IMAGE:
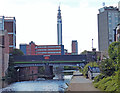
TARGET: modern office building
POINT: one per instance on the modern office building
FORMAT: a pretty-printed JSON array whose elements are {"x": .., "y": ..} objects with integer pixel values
[
  {"x": 74, "y": 47},
  {"x": 107, "y": 22},
  {"x": 119, "y": 5},
  {"x": 59, "y": 27},
  {"x": 9, "y": 24},
  {"x": 33, "y": 49}
]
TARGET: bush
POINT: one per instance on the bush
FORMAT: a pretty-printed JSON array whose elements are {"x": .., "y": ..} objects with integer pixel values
[
  {"x": 85, "y": 70},
  {"x": 110, "y": 84},
  {"x": 107, "y": 67},
  {"x": 98, "y": 78}
]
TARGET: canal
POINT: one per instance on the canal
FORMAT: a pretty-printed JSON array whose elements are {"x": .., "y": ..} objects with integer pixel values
[{"x": 54, "y": 84}]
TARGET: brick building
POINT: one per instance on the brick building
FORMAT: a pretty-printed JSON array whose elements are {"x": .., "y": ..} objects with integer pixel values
[
  {"x": 4, "y": 52},
  {"x": 33, "y": 49},
  {"x": 74, "y": 47},
  {"x": 9, "y": 24}
]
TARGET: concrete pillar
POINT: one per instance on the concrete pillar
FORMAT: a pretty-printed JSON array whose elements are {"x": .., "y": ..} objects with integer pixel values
[
  {"x": 49, "y": 71},
  {"x": 57, "y": 70},
  {"x": 1, "y": 63}
]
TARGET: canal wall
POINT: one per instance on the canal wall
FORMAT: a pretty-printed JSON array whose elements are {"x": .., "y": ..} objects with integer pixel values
[
  {"x": 32, "y": 73},
  {"x": 27, "y": 73}
]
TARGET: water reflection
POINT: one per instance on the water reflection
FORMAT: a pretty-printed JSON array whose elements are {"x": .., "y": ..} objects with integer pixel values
[
  {"x": 3, "y": 84},
  {"x": 44, "y": 85}
]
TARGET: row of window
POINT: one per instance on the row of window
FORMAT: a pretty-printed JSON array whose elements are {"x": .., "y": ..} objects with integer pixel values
[
  {"x": 48, "y": 52},
  {"x": 47, "y": 49},
  {"x": 48, "y": 46}
]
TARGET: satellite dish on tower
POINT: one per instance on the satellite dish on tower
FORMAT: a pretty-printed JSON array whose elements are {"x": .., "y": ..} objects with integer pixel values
[{"x": 103, "y": 4}]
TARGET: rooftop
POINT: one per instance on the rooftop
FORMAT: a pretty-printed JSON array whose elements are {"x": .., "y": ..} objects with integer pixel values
[{"x": 108, "y": 8}]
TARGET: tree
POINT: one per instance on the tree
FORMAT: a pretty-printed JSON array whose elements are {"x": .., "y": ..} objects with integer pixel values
[
  {"x": 11, "y": 76},
  {"x": 114, "y": 53},
  {"x": 110, "y": 65},
  {"x": 113, "y": 50},
  {"x": 84, "y": 52},
  {"x": 107, "y": 68},
  {"x": 17, "y": 52},
  {"x": 85, "y": 69}
]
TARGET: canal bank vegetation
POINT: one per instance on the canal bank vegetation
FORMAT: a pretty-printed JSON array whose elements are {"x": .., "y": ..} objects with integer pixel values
[
  {"x": 11, "y": 74},
  {"x": 109, "y": 79},
  {"x": 71, "y": 67},
  {"x": 85, "y": 69}
]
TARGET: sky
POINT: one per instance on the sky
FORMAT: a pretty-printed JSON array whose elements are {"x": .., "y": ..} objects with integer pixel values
[{"x": 36, "y": 20}]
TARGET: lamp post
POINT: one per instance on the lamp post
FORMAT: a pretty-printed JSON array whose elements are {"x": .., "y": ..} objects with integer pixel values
[
  {"x": 18, "y": 73},
  {"x": 92, "y": 43}
]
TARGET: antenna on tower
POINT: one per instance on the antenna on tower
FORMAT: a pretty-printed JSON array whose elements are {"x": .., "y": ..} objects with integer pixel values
[
  {"x": 103, "y": 4},
  {"x": 59, "y": 2},
  {"x": 92, "y": 43}
]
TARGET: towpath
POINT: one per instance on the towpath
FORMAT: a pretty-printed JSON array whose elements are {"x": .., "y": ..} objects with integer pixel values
[{"x": 80, "y": 83}]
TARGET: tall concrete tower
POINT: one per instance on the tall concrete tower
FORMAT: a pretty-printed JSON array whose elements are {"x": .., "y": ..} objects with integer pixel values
[
  {"x": 107, "y": 22},
  {"x": 59, "y": 27}
]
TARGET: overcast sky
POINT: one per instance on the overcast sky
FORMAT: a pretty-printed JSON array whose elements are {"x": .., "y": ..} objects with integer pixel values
[{"x": 36, "y": 20}]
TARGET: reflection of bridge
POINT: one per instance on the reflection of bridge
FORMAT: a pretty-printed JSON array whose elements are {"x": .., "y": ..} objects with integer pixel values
[{"x": 31, "y": 62}]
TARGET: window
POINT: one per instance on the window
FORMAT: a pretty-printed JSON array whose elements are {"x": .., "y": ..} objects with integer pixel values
[
  {"x": 42, "y": 46},
  {"x": 53, "y": 52},
  {"x": 53, "y": 49},
  {"x": 41, "y": 49},
  {"x": 54, "y": 46},
  {"x": 42, "y": 52},
  {"x": 109, "y": 14}
]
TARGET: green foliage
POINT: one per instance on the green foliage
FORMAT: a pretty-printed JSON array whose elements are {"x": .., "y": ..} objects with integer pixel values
[
  {"x": 114, "y": 54},
  {"x": 110, "y": 68},
  {"x": 107, "y": 67},
  {"x": 103, "y": 83},
  {"x": 17, "y": 52},
  {"x": 85, "y": 69},
  {"x": 113, "y": 50},
  {"x": 70, "y": 67},
  {"x": 98, "y": 78},
  {"x": 110, "y": 83},
  {"x": 11, "y": 75},
  {"x": 84, "y": 52}
]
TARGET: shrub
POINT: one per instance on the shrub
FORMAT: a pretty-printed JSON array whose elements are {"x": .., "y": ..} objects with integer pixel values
[
  {"x": 85, "y": 70},
  {"x": 98, "y": 78},
  {"x": 110, "y": 84}
]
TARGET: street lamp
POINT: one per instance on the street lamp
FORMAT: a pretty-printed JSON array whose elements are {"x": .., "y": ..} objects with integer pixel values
[
  {"x": 18, "y": 73},
  {"x": 92, "y": 43}
]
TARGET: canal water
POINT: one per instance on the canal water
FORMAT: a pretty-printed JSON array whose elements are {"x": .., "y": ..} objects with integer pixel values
[{"x": 42, "y": 85}]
